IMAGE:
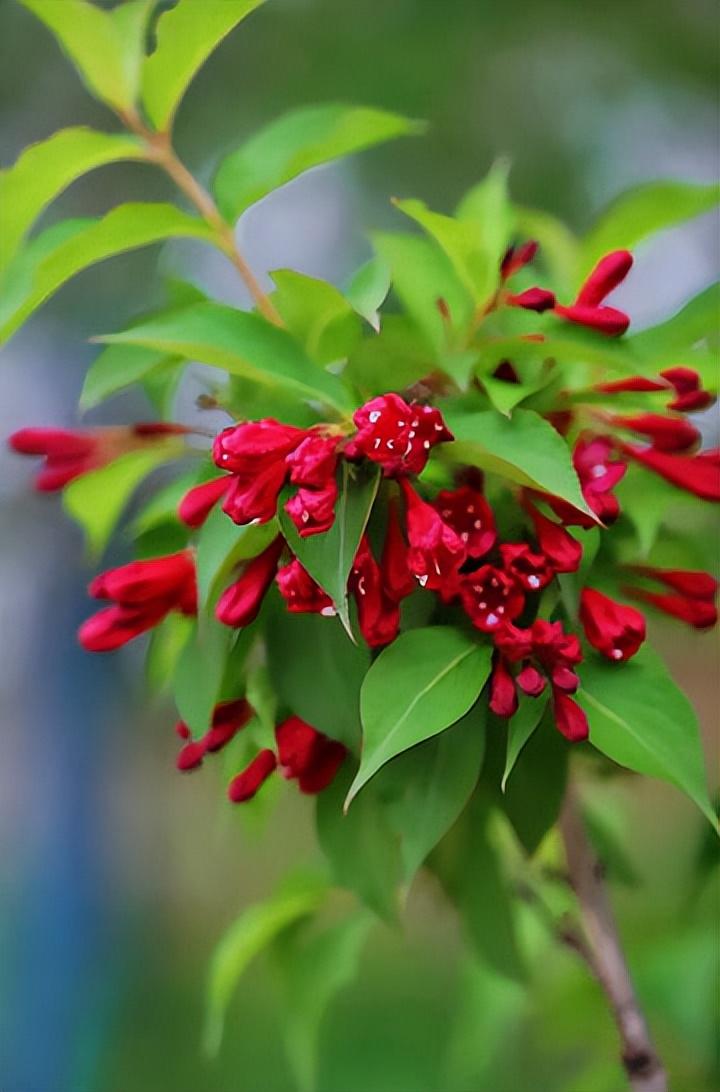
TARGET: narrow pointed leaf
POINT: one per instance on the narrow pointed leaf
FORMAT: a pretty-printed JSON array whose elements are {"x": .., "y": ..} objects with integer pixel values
[{"x": 520, "y": 727}]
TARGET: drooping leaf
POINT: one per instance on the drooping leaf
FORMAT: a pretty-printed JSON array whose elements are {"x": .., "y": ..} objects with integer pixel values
[
  {"x": 433, "y": 782},
  {"x": 199, "y": 673},
  {"x": 45, "y": 169},
  {"x": 361, "y": 846},
  {"x": 51, "y": 260},
  {"x": 640, "y": 719},
  {"x": 314, "y": 970},
  {"x": 420, "y": 684},
  {"x": 642, "y": 211},
  {"x": 422, "y": 275},
  {"x": 534, "y": 794},
  {"x": 118, "y": 367},
  {"x": 328, "y": 557},
  {"x": 186, "y": 36},
  {"x": 253, "y": 932},
  {"x": 105, "y": 46},
  {"x": 297, "y": 141},
  {"x": 520, "y": 727},
  {"x": 524, "y": 448},
  {"x": 240, "y": 343},
  {"x": 96, "y": 500},
  {"x": 317, "y": 314},
  {"x": 332, "y": 707},
  {"x": 368, "y": 289}
]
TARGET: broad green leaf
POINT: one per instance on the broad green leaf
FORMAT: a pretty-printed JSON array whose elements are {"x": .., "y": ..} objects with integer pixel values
[
  {"x": 520, "y": 727},
  {"x": 640, "y": 212},
  {"x": 221, "y": 544},
  {"x": 297, "y": 141},
  {"x": 694, "y": 322},
  {"x": 104, "y": 46},
  {"x": 334, "y": 706},
  {"x": 361, "y": 846},
  {"x": 640, "y": 719},
  {"x": 329, "y": 557},
  {"x": 486, "y": 211},
  {"x": 240, "y": 343},
  {"x": 534, "y": 794},
  {"x": 45, "y": 169},
  {"x": 199, "y": 673},
  {"x": 422, "y": 274},
  {"x": 317, "y": 314},
  {"x": 455, "y": 240},
  {"x": 394, "y": 358},
  {"x": 96, "y": 500},
  {"x": 118, "y": 367},
  {"x": 368, "y": 289},
  {"x": 434, "y": 781},
  {"x": 506, "y": 396},
  {"x": 524, "y": 448},
  {"x": 186, "y": 36},
  {"x": 314, "y": 970},
  {"x": 165, "y": 648},
  {"x": 50, "y": 266},
  {"x": 420, "y": 684},
  {"x": 253, "y": 932}
]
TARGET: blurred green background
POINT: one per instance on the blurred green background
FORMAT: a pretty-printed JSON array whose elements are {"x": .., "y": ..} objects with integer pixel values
[{"x": 119, "y": 875}]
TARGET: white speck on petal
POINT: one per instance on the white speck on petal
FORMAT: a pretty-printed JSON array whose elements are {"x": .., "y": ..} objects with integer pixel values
[
  {"x": 374, "y": 416},
  {"x": 492, "y": 620}
]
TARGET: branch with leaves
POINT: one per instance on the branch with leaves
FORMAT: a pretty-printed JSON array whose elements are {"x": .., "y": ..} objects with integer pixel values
[{"x": 406, "y": 575}]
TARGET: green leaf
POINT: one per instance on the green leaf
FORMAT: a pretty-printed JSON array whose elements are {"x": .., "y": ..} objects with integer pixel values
[
  {"x": 434, "y": 782},
  {"x": 695, "y": 322},
  {"x": 52, "y": 259},
  {"x": 255, "y": 929},
  {"x": 334, "y": 707},
  {"x": 186, "y": 36},
  {"x": 521, "y": 726},
  {"x": 240, "y": 343},
  {"x": 642, "y": 211},
  {"x": 640, "y": 719},
  {"x": 297, "y": 141},
  {"x": 328, "y": 557},
  {"x": 314, "y": 969},
  {"x": 96, "y": 500},
  {"x": 455, "y": 240},
  {"x": 420, "y": 684},
  {"x": 422, "y": 274},
  {"x": 104, "y": 46},
  {"x": 486, "y": 211},
  {"x": 394, "y": 358},
  {"x": 505, "y": 396},
  {"x": 317, "y": 314},
  {"x": 45, "y": 169},
  {"x": 221, "y": 545},
  {"x": 361, "y": 846},
  {"x": 199, "y": 673},
  {"x": 118, "y": 367},
  {"x": 166, "y": 644},
  {"x": 524, "y": 448},
  {"x": 534, "y": 794},
  {"x": 368, "y": 289}
]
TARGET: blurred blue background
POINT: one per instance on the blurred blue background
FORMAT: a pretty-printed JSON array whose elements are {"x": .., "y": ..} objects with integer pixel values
[{"x": 118, "y": 874}]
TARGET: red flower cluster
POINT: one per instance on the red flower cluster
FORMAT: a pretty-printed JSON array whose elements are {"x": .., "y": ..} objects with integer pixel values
[
  {"x": 227, "y": 720},
  {"x": 303, "y": 754}
]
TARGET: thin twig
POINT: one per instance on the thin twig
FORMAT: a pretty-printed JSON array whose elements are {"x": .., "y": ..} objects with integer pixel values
[
  {"x": 605, "y": 955},
  {"x": 162, "y": 153}
]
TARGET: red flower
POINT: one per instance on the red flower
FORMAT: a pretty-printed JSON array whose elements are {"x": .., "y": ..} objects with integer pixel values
[
  {"x": 70, "y": 453},
  {"x": 469, "y": 514},
  {"x": 613, "y": 629},
  {"x": 690, "y": 396},
  {"x": 697, "y": 474},
  {"x": 631, "y": 384},
  {"x": 143, "y": 593},
  {"x": 398, "y": 580},
  {"x": 503, "y": 696},
  {"x": 570, "y": 718},
  {"x": 307, "y": 755},
  {"x": 198, "y": 502},
  {"x": 301, "y": 593},
  {"x": 378, "y": 613},
  {"x": 562, "y": 551},
  {"x": 490, "y": 597},
  {"x": 227, "y": 720},
  {"x": 587, "y": 309},
  {"x": 396, "y": 435},
  {"x": 598, "y": 475},
  {"x": 694, "y": 602},
  {"x": 533, "y": 299},
  {"x": 436, "y": 550},
  {"x": 530, "y": 570},
  {"x": 516, "y": 258},
  {"x": 666, "y": 433},
  {"x": 240, "y": 602},
  {"x": 313, "y": 510},
  {"x": 245, "y": 784},
  {"x": 314, "y": 461},
  {"x": 254, "y": 453}
]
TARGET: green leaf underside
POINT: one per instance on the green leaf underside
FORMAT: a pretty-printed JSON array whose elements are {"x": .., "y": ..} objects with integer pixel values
[
  {"x": 186, "y": 35},
  {"x": 525, "y": 448},
  {"x": 45, "y": 169},
  {"x": 96, "y": 500},
  {"x": 422, "y": 683},
  {"x": 297, "y": 141},
  {"x": 328, "y": 557},
  {"x": 119, "y": 367},
  {"x": 255, "y": 929},
  {"x": 52, "y": 259},
  {"x": 642, "y": 211},
  {"x": 241, "y": 344},
  {"x": 368, "y": 288},
  {"x": 640, "y": 719},
  {"x": 520, "y": 727}
]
